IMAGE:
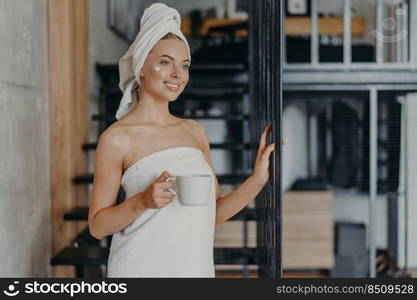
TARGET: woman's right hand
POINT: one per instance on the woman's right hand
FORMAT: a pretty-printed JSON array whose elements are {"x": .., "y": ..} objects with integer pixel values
[{"x": 156, "y": 195}]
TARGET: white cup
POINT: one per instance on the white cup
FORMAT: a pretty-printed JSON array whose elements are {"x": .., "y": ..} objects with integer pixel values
[{"x": 192, "y": 189}]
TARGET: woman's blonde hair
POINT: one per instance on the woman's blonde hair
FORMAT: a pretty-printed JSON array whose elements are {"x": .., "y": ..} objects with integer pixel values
[{"x": 171, "y": 35}]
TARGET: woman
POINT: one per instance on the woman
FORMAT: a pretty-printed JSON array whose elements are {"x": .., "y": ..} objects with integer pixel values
[{"x": 154, "y": 235}]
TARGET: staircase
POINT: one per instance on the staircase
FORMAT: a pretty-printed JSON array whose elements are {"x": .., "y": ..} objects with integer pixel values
[{"x": 212, "y": 85}]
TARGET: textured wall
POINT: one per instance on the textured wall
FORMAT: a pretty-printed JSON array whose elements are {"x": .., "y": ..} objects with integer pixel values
[
  {"x": 104, "y": 45},
  {"x": 25, "y": 205}
]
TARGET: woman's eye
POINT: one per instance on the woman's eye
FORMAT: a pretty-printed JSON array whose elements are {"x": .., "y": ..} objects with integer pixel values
[
  {"x": 164, "y": 62},
  {"x": 186, "y": 67}
]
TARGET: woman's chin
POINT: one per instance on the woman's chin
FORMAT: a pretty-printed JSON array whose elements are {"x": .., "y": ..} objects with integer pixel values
[
  {"x": 168, "y": 97},
  {"x": 171, "y": 97}
]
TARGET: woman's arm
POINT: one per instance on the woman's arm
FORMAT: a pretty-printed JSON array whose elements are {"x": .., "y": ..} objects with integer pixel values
[
  {"x": 232, "y": 203},
  {"x": 105, "y": 217}
]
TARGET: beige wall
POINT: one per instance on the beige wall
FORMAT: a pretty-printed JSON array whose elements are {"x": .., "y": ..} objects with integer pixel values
[{"x": 25, "y": 203}]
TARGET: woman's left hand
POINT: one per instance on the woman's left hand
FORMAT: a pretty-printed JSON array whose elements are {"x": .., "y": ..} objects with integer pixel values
[{"x": 261, "y": 171}]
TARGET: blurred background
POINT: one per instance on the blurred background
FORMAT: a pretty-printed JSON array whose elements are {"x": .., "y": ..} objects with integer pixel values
[{"x": 349, "y": 112}]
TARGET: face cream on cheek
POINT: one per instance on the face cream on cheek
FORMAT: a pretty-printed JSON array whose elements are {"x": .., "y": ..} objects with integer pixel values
[{"x": 157, "y": 68}]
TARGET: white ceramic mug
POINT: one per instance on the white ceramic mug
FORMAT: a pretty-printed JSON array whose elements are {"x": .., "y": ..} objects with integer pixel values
[{"x": 192, "y": 189}]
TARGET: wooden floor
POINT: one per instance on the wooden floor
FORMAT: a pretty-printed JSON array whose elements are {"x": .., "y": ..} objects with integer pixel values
[
  {"x": 238, "y": 274},
  {"x": 235, "y": 274},
  {"x": 304, "y": 275}
]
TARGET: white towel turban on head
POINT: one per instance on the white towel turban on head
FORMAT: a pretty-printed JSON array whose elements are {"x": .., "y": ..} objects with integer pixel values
[{"x": 157, "y": 21}]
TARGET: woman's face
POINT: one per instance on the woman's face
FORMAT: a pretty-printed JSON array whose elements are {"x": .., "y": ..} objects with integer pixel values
[{"x": 164, "y": 74}]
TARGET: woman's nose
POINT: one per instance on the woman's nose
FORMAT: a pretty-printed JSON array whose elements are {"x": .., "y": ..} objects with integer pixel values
[{"x": 176, "y": 74}]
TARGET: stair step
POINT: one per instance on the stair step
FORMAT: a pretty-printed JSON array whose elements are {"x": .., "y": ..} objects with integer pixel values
[
  {"x": 235, "y": 256},
  {"x": 89, "y": 146},
  {"x": 225, "y": 146},
  {"x": 236, "y": 274},
  {"x": 80, "y": 213},
  {"x": 214, "y": 94},
  {"x": 232, "y": 178},
  {"x": 246, "y": 214},
  {"x": 84, "y": 238},
  {"x": 81, "y": 256},
  {"x": 195, "y": 67},
  {"x": 225, "y": 97},
  {"x": 223, "y": 179},
  {"x": 234, "y": 67},
  {"x": 220, "y": 81},
  {"x": 225, "y": 94},
  {"x": 103, "y": 117},
  {"x": 208, "y": 83},
  {"x": 225, "y": 117},
  {"x": 95, "y": 255},
  {"x": 230, "y": 28},
  {"x": 83, "y": 179}
]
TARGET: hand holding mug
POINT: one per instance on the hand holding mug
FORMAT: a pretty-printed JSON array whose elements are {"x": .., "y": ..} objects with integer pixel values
[{"x": 157, "y": 195}]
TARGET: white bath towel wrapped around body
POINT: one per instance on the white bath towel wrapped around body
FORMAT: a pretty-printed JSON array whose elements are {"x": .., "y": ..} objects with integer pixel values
[{"x": 174, "y": 241}]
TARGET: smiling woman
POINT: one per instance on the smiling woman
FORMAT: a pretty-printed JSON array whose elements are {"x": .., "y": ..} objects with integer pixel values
[
  {"x": 165, "y": 71},
  {"x": 154, "y": 235}
]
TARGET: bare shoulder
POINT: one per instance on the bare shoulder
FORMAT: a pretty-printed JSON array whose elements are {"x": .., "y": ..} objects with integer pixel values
[
  {"x": 195, "y": 126},
  {"x": 114, "y": 138},
  {"x": 198, "y": 131}
]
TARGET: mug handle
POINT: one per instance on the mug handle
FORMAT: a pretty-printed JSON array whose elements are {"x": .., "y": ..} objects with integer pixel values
[{"x": 172, "y": 179}]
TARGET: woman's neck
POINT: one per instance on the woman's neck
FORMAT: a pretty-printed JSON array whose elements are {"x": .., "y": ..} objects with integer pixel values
[{"x": 150, "y": 110}]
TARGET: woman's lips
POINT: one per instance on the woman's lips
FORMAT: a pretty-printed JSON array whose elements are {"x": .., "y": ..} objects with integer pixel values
[{"x": 172, "y": 86}]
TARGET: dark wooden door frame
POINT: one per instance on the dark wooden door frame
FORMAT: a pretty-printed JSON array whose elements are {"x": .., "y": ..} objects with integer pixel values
[{"x": 265, "y": 67}]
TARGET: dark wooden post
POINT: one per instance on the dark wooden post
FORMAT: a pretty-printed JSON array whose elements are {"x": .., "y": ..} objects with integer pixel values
[{"x": 265, "y": 66}]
